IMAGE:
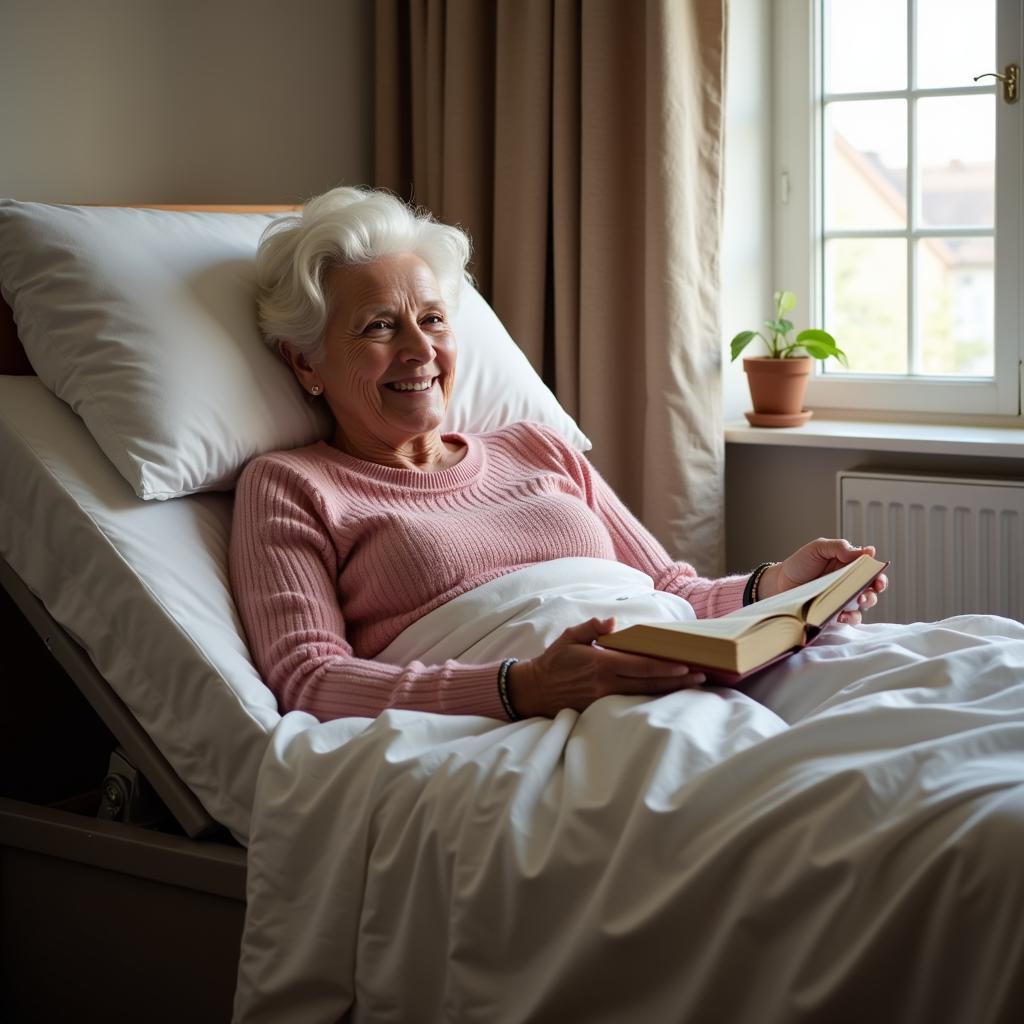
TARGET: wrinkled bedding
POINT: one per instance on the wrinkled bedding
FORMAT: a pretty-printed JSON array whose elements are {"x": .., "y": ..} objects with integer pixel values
[{"x": 842, "y": 839}]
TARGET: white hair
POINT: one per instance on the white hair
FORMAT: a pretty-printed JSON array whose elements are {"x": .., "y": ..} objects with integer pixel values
[{"x": 340, "y": 227}]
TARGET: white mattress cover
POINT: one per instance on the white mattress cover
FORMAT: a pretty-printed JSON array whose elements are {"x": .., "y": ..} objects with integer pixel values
[{"x": 111, "y": 568}]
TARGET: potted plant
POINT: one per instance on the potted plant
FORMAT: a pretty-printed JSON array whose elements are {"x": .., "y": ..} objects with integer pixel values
[{"x": 778, "y": 381}]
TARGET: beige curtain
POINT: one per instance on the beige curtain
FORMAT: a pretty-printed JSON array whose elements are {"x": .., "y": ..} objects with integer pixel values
[{"x": 580, "y": 144}]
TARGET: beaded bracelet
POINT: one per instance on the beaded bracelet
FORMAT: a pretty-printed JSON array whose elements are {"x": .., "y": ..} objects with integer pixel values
[
  {"x": 750, "y": 590},
  {"x": 503, "y": 688}
]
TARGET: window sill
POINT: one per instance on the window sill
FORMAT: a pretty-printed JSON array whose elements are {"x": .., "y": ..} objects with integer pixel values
[{"x": 1005, "y": 442}]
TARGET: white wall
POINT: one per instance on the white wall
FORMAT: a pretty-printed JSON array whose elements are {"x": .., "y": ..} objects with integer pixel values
[
  {"x": 184, "y": 100},
  {"x": 778, "y": 498}
]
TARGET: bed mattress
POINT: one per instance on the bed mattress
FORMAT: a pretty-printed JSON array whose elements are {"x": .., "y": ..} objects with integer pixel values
[{"x": 112, "y": 569}]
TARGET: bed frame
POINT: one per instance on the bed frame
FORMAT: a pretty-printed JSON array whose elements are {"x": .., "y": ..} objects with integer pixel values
[
  {"x": 109, "y": 908},
  {"x": 121, "y": 899}
]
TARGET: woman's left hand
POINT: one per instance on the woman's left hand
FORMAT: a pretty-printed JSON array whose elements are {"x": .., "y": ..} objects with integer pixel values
[{"x": 819, "y": 558}]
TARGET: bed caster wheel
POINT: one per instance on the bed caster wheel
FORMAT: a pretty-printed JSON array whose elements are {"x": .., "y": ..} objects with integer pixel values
[
  {"x": 126, "y": 795},
  {"x": 113, "y": 798}
]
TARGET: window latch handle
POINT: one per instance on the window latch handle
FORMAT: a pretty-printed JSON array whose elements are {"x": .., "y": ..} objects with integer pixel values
[{"x": 1010, "y": 79}]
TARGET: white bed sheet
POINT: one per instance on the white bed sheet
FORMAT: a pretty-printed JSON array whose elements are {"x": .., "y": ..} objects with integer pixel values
[
  {"x": 143, "y": 587},
  {"x": 848, "y": 847}
]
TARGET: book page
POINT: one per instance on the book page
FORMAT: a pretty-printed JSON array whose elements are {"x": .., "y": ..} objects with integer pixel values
[
  {"x": 826, "y": 595},
  {"x": 856, "y": 577},
  {"x": 727, "y": 627},
  {"x": 789, "y": 602}
]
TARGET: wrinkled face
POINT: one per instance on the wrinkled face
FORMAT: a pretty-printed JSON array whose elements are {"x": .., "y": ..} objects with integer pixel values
[{"x": 389, "y": 354}]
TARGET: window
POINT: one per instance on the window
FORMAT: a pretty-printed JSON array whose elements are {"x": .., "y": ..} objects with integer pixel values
[{"x": 899, "y": 218}]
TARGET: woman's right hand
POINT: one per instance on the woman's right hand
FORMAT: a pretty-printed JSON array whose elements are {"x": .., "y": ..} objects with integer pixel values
[{"x": 573, "y": 673}]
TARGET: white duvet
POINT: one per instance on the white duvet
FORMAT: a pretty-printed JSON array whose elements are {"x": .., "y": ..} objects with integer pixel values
[{"x": 843, "y": 841}]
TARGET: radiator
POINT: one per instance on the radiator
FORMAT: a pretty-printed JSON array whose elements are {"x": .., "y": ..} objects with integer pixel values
[{"x": 956, "y": 545}]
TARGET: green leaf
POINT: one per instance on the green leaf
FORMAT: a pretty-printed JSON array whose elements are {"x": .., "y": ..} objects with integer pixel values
[
  {"x": 779, "y": 326},
  {"x": 814, "y": 335},
  {"x": 821, "y": 351},
  {"x": 784, "y": 302},
  {"x": 741, "y": 341},
  {"x": 816, "y": 349},
  {"x": 816, "y": 342}
]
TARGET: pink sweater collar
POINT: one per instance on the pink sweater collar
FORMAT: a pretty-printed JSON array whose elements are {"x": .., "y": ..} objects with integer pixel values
[{"x": 459, "y": 475}]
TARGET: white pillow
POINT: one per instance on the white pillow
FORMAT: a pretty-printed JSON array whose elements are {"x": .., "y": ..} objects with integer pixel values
[
  {"x": 144, "y": 322},
  {"x": 495, "y": 383}
]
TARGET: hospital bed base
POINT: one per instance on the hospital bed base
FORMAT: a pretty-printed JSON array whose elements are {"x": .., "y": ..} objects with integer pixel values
[{"x": 101, "y": 919}]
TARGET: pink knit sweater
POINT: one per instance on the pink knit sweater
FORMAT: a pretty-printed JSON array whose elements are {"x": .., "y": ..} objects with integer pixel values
[{"x": 332, "y": 557}]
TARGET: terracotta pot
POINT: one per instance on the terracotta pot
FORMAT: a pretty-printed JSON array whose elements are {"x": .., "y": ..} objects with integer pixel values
[{"x": 777, "y": 388}]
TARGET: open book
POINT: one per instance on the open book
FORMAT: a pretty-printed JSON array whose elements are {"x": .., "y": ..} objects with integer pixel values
[{"x": 748, "y": 639}]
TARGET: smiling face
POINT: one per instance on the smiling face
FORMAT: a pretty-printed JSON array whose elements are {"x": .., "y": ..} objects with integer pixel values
[{"x": 389, "y": 361}]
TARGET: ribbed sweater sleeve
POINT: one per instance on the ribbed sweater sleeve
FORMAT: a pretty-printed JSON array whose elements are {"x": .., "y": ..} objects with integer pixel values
[
  {"x": 282, "y": 570},
  {"x": 637, "y": 547}
]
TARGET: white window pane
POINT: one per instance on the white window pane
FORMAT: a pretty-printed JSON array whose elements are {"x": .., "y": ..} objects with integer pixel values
[
  {"x": 956, "y": 153},
  {"x": 866, "y": 303},
  {"x": 866, "y": 168},
  {"x": 956, "y": 279},
  {"x": 876, "y": 28},
  {"x": 955, "y": 41}
]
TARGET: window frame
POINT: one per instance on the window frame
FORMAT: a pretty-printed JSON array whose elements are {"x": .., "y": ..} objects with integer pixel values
[{"x": 798, "y": 166}]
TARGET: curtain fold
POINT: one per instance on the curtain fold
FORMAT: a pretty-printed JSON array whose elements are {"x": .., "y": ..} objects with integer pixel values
[{"x": 579, "y": 142}]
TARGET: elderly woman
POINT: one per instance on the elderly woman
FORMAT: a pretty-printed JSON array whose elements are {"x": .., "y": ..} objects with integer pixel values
[{"x": 339, "y": 546}]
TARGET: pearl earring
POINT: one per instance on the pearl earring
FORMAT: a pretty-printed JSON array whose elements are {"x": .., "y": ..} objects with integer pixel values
[{"x": 315, "y": 389}]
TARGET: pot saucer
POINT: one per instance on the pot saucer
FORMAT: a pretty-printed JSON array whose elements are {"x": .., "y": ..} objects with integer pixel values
[{"x": 770, "y": 419}]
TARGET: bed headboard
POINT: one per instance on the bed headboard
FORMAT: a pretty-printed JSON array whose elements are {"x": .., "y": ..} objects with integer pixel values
[{"x": 12, "y": 355}]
